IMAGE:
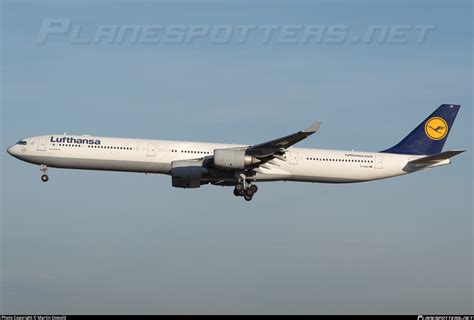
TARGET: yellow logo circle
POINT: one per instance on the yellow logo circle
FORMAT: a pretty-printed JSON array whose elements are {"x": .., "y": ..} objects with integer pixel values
[{"x": 436, "y": 128}]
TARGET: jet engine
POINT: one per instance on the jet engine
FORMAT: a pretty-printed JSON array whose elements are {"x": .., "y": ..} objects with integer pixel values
[
  {"x": 187, "y": 173},
  {"x": 233, "y": 159}
]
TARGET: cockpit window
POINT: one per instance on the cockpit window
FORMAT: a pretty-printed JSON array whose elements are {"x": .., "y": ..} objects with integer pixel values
[{"x": 22, "y": 142}]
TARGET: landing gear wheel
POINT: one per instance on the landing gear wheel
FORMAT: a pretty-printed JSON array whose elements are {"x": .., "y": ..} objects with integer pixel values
[
  {"x": 247, "y": 197},
  {"x": 239, "y": 186},
  {"x": 236, "y": 192},
  {"x": 249, "y": 192},
  {"x": 44, "y": 178},
  {"x": 254, "y": 188}
]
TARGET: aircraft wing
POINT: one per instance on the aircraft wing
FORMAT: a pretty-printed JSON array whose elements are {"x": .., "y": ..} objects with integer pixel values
[
  {"x": 279, "y": 145},
  {"x": 269, "y": 150}
]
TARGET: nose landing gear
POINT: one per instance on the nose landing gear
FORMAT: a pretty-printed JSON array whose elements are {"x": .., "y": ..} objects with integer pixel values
[{"x": 44, "y": 169}]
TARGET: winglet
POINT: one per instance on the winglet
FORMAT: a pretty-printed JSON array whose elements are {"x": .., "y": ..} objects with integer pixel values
[{"x": 313, "y": 128}]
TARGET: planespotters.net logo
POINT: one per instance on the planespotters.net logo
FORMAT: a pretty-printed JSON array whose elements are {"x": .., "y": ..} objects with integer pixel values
[
  {"x": 34, "y": 317},
  {"x": 432, "y": 317},
  {"x": 64, "y": 29}
]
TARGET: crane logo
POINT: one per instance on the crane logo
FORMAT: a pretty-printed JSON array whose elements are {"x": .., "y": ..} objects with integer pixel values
[{"x": 436, "y": 128}]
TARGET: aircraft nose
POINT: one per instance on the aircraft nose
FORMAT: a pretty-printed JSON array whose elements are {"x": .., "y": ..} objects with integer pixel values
[{"x": 11, "y": 151}]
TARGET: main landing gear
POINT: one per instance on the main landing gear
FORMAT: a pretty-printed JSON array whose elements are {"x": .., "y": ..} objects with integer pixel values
[
  {"x": 243, "y": 189},
  {"x": 44, "y": 169}
]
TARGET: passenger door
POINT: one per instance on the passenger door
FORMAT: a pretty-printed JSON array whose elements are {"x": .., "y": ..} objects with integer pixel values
[
  {"x": 378, "y": 162},
  {"x": 150, "y": 150},
  {"x": 42, "y": 145},
  {"x": 293, "y": 157}
]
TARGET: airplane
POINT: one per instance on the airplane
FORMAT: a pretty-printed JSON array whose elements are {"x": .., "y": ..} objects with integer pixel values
[{"x": 192, "y": 164}]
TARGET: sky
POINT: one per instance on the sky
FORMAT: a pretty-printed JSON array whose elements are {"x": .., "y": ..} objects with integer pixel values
[{"x": 111, "y": 243}]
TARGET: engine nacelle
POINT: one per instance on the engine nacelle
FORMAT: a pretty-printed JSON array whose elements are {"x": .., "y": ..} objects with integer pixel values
[
  {"x": 232, "y": 159},
  {"x": 187, "y": 174}
]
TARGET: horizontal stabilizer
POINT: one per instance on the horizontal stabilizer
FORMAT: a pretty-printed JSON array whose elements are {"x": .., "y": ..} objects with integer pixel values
[{"x": 436, "y": 158}]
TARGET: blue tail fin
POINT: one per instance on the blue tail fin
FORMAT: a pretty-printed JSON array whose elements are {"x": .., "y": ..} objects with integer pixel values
[{"x": 430, "y": 135}]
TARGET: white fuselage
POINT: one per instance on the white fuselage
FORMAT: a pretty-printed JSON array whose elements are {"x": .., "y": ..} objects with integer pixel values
[{"x": 156, "y": 156}]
